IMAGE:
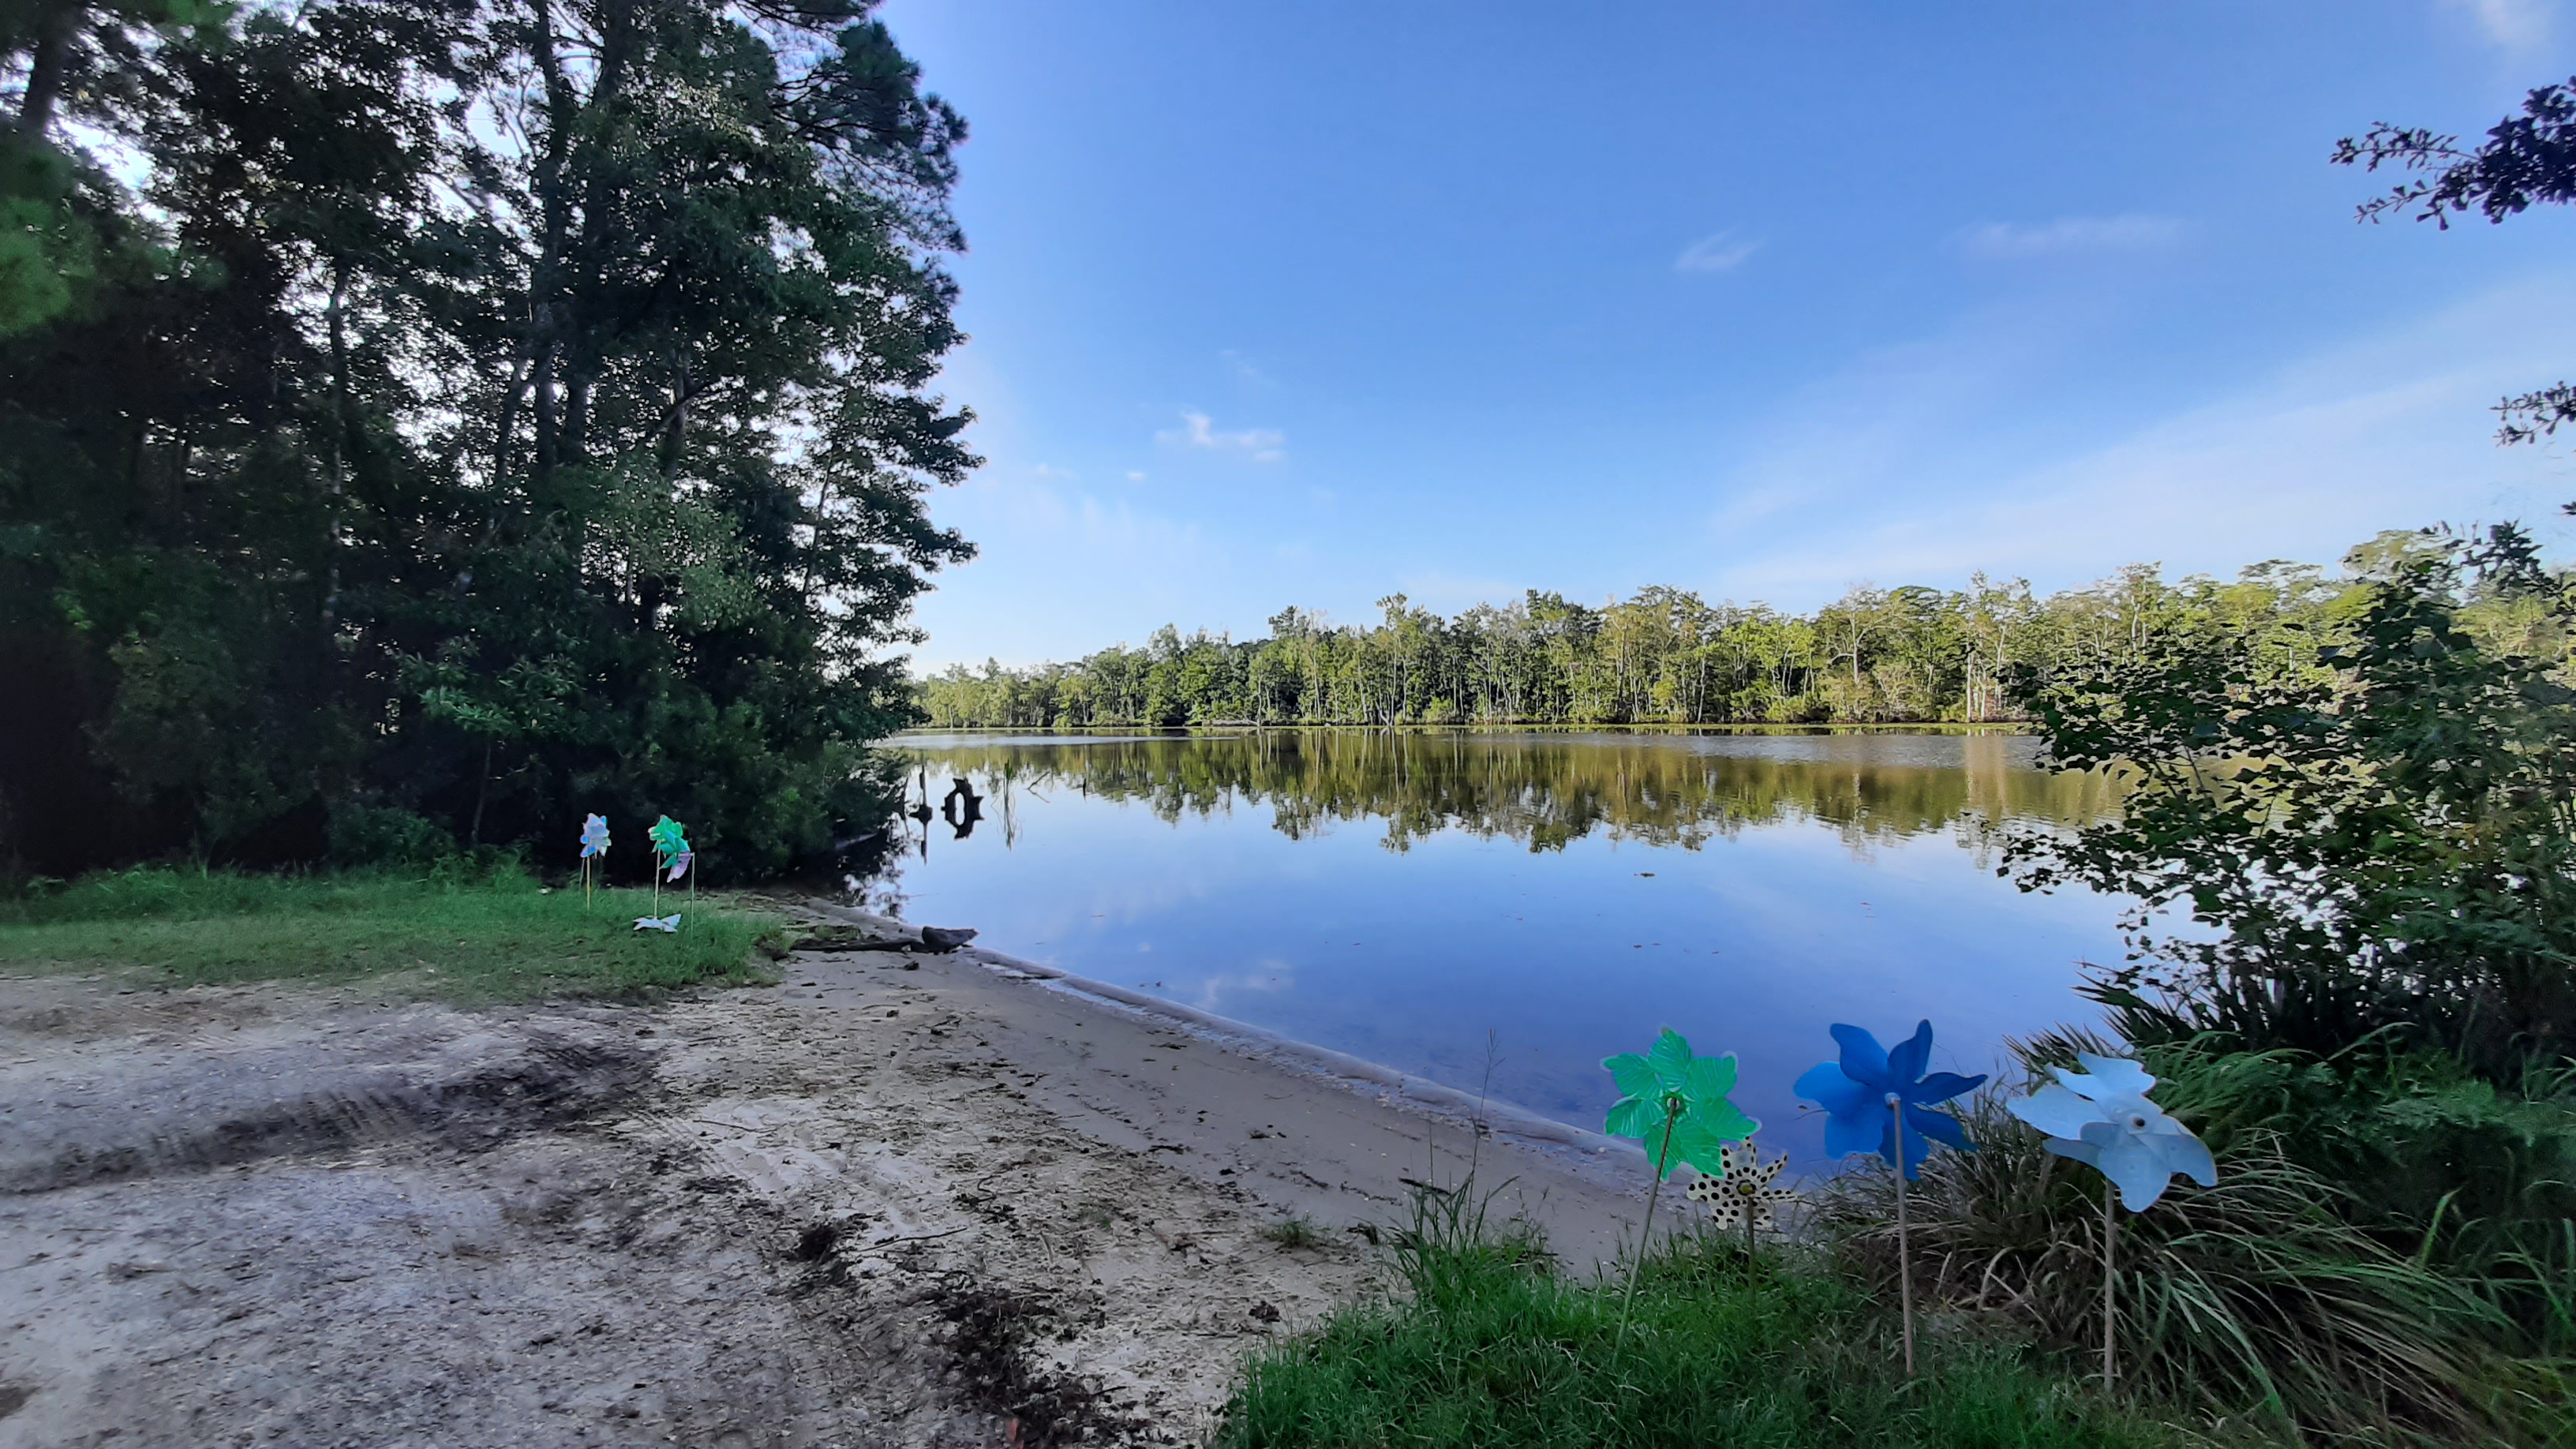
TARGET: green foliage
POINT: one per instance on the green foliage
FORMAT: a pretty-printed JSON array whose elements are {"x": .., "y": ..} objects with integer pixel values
[
  {"x": 488, "y": 411},
  {"x": 2376, "y": 822},
  {"x": 478, "y": 932},
  {"x": 1295, "y": 1233},
  {"x": 1662, "y": 657},
  {"x": 1494, "y": 1350}
]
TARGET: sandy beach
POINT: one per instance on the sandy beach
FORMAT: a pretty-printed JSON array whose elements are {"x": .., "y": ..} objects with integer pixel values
[{"x": 898, "y": 1198}]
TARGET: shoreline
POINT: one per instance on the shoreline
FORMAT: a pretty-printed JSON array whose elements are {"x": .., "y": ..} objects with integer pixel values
[
  {"x": 1399, "y": 1090},
  {"x": 891, "y": 1198}
]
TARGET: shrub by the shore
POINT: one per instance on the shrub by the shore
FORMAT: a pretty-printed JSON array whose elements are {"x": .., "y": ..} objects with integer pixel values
[
  {"x": 488, "y": 931},
  {"x": 1494, "y": 1349}
]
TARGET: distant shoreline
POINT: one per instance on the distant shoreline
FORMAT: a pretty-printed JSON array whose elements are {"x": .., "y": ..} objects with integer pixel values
[{"x": 1237, "y": 727}]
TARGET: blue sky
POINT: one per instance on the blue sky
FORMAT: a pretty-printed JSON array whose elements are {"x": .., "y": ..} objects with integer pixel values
[{"x": 1316, "y": 303}]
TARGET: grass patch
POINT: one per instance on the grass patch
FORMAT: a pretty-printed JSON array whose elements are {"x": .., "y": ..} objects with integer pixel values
[
  {"x": 1496, "y": 1350},
  {"x": 489, "y": 934},
  {"x": 1294, "y": 1233}
]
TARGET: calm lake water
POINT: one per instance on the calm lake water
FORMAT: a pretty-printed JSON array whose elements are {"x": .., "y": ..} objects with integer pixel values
[{"x": 1433, "y": 900}]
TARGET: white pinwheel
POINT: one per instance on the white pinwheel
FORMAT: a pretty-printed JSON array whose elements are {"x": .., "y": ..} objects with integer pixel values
[
  {"x": 2101, "y": 1116},
  {"x": 669, "y": 924},
  {"x": 1743, "y": 1185}
]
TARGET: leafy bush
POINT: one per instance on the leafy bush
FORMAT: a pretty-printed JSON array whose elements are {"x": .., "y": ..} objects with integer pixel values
[{"x": 2376, "y": 822}]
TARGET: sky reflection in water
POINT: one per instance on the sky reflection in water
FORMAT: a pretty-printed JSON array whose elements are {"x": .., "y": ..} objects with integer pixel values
[{"x": 1400, "y": 896}]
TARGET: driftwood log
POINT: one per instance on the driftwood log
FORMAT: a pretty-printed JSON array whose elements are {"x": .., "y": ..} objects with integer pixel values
[{"x": 856, "y": 938}]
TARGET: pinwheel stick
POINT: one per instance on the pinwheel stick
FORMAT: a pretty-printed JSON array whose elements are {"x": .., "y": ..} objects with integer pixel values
[
  {"x": 1904, "y": 1262},
  {"x": 1663, "y": 1154},
  {"x": 2110, "y": 1226}
]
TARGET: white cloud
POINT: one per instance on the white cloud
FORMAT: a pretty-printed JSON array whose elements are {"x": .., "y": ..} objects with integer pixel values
[
  {"x": 2013, "y": 241},
  {"x": 1198, "y": 430},
  {"x": 1719, "y": 253},
  {"x": 2381, "y": 431},
  {"x": 1135, "y": 477},
  {"x": 2513, "y": 24}
]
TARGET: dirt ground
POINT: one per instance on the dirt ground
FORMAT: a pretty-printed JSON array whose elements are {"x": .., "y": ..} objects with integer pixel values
[{"x": 897, "y": 1199}]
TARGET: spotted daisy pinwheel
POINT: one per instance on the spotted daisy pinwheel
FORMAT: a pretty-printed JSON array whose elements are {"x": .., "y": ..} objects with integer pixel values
[{"x": 1741, "y": 1187}]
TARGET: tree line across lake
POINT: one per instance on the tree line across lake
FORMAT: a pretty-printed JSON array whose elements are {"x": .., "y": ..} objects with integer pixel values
[{"x": 1663, "y": 656}]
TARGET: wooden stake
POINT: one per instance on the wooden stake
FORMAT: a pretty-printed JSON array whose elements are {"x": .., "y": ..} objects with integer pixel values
[
  {"x": 1904, "y": 1261},
  {"x": 2110, "y": 1226}
]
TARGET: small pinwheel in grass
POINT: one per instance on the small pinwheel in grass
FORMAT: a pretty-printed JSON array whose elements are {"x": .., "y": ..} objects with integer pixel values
[
  {"x": 1675, "y": 1105},
  {"x": 2101, "y": 1116},
  {"x": 594, "y": 842},
  {"x": 671, "y": 849},
  {"x": 1740, "y": 1195},
  {"x": 1881, "y": 1101},
  {"x": 668, "y": 925}
]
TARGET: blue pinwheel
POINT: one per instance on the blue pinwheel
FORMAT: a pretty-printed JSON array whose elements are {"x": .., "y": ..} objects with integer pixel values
[
  {"x": 2101, "y": 1116},
  {"x": 1865, "y": 1093},
  {"x": 1881, "y": 1101}
]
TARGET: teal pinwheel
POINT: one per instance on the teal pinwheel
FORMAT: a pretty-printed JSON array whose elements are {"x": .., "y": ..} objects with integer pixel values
[
  {"x": 1675, "y": 1104},
  {"x": 1866, "y": 1092},
  {"x": 2101, "y": 1116},
  {"x": 671, "y": 852}
]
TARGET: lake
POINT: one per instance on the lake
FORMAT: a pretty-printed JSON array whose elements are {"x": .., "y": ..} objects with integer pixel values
[{"x": 1502, "y": 910}]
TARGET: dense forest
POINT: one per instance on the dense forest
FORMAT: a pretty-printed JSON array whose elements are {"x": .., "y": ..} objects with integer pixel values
[
  {"x": 422, "y": 421},
  {"x": 1906, "y": 655}
]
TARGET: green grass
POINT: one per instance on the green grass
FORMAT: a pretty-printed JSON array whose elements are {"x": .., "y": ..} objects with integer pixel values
[
  {"x": 1494, "y": 1350},
  {"x": 1294, "y": 1233},
  {"x": 494, "y": 934}
]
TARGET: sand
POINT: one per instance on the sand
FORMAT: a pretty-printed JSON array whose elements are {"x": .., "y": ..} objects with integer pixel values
[{"x": 895, "y": 1199}]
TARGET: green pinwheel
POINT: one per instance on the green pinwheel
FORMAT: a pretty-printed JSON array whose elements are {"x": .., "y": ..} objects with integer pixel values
[
  {"x": 670, "y": 852},
  {"x": 1675, "y": 1105}
]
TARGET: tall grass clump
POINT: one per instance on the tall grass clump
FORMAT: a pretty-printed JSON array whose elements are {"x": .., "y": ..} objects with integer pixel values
[
  {"x": 479, "y": 929},
  {"x": 1492, "y": 1347},
  {"x": 2372, "y": 1262}
]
